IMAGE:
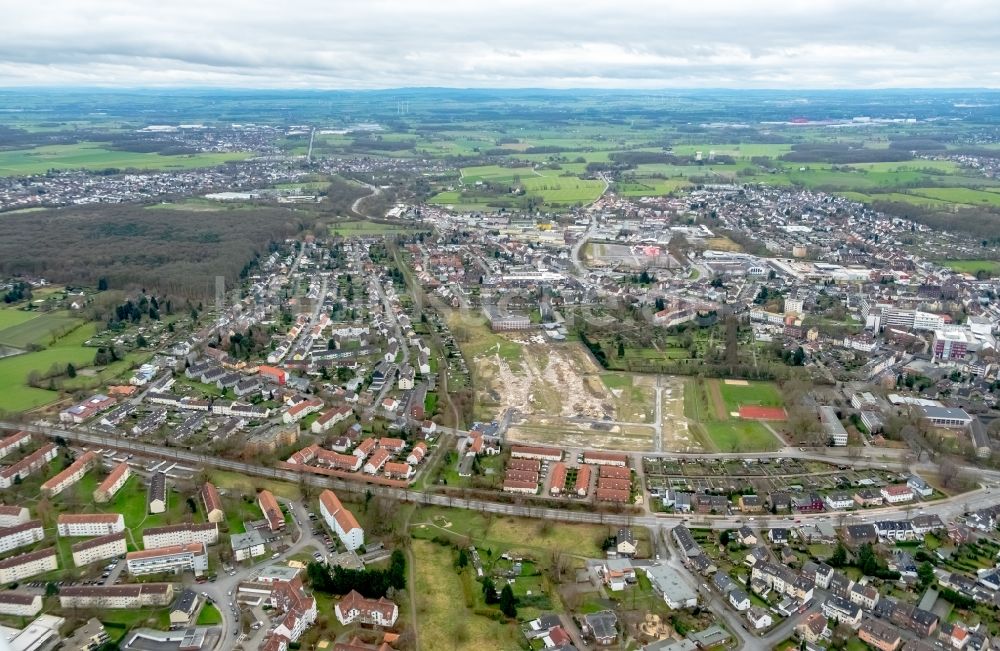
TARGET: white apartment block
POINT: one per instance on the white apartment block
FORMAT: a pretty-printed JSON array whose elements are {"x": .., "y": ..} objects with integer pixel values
[
  {"x": 71, "y": 475},
  {"x": 176, "y": 559},
  {"x": 89, "y": 525},
  {"x": 341, "y": 520},
  {"x": 116, "y": 596},
  {"x": 20, "y": 567},
  {"x": 180, "y": 534},
  {"x": 99, "y": 549},
  {"x": 21, "y": 535},
  {"x": 12, "y": 515},
  {"x": 20, "y": 604},
  {"x": 112, "y": 483}
]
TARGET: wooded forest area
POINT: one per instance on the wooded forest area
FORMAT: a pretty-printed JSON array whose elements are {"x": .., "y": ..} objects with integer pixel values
[{"x": 177, "y": 252}]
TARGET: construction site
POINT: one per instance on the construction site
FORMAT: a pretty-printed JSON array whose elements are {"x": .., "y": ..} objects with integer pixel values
[{"x": 554, "y": 393}]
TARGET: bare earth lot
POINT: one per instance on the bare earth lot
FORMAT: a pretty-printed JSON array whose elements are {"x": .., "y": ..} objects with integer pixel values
[{"x": 556, "y": 394}]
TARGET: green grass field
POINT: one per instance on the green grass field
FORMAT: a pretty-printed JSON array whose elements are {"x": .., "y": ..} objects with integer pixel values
[
  {"x": 649, "y": 187},
  {"x": 10, "y": 317},
  {"x": 362, "y": 228},
  {"x": 727, "y": 434},
  {"x": 966, "y": 196},
  {"x": 37, "y": 330},
  {"x": 209, "y": 616},
  {"x": 972, "y": 266},
  {"x": 764, "y": 394},
  {"x": 91, "y": 155},
  {"x": 741, "y": 435}
]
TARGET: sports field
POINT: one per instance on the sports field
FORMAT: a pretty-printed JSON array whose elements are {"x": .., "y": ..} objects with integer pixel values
[
  {"x": 709, "y": 411},
  {"x": 92, "y": 156},
  {"x": 736, "y": 395}
]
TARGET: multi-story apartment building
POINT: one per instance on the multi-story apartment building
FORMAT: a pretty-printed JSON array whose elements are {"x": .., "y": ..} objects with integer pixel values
[
  {"x": 20, "y": 567},
  {"x": 30, "y": 464},
  {"x": 112, "y": 483},
  {"x": 180, "y": 534},
  {"x": 72, "y": 474},
  {"x": 89, "y": 524},
  {"x": 21, "y": 535},
  {"x": 175, "y": 558},
  {"x": 99, "y": 549},
  {"x": 341, "y": 520},
  {"x": 141, "y": 595}
]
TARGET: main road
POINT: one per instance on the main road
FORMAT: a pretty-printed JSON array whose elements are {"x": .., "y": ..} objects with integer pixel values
[{"x": 947, "y": 509}]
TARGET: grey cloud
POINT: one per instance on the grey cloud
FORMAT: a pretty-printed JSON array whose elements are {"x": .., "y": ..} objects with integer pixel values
[{"x": 389, "y": 43}]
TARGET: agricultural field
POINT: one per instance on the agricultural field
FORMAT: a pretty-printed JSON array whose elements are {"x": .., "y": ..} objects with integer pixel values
[
  {"x": 10, "y": 317},
  {"x": 37, "y": 328},
  {"x": 642, "y": 186},
  {"x": 553, "y": 187},
  {"x": 737, "y": 151},
  {"x": 966, "y": 196},
  {"x": 93, "y": 156},
  {"x": 972, "y": 266}
]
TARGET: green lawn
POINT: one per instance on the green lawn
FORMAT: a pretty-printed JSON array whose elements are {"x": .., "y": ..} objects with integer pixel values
[
  {"x": 91, "y": 155},
  {"x": 15, "y": 395},
  {"x": 741, "y": 436},
  {"x": 209, "y": 616}
]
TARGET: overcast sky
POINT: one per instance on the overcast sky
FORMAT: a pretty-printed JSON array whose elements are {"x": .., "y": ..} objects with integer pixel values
[{"x": 501, "y": 43}]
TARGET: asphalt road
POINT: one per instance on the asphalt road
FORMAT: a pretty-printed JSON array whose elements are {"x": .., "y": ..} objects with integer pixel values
[{"x": 223, "y": 591}]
